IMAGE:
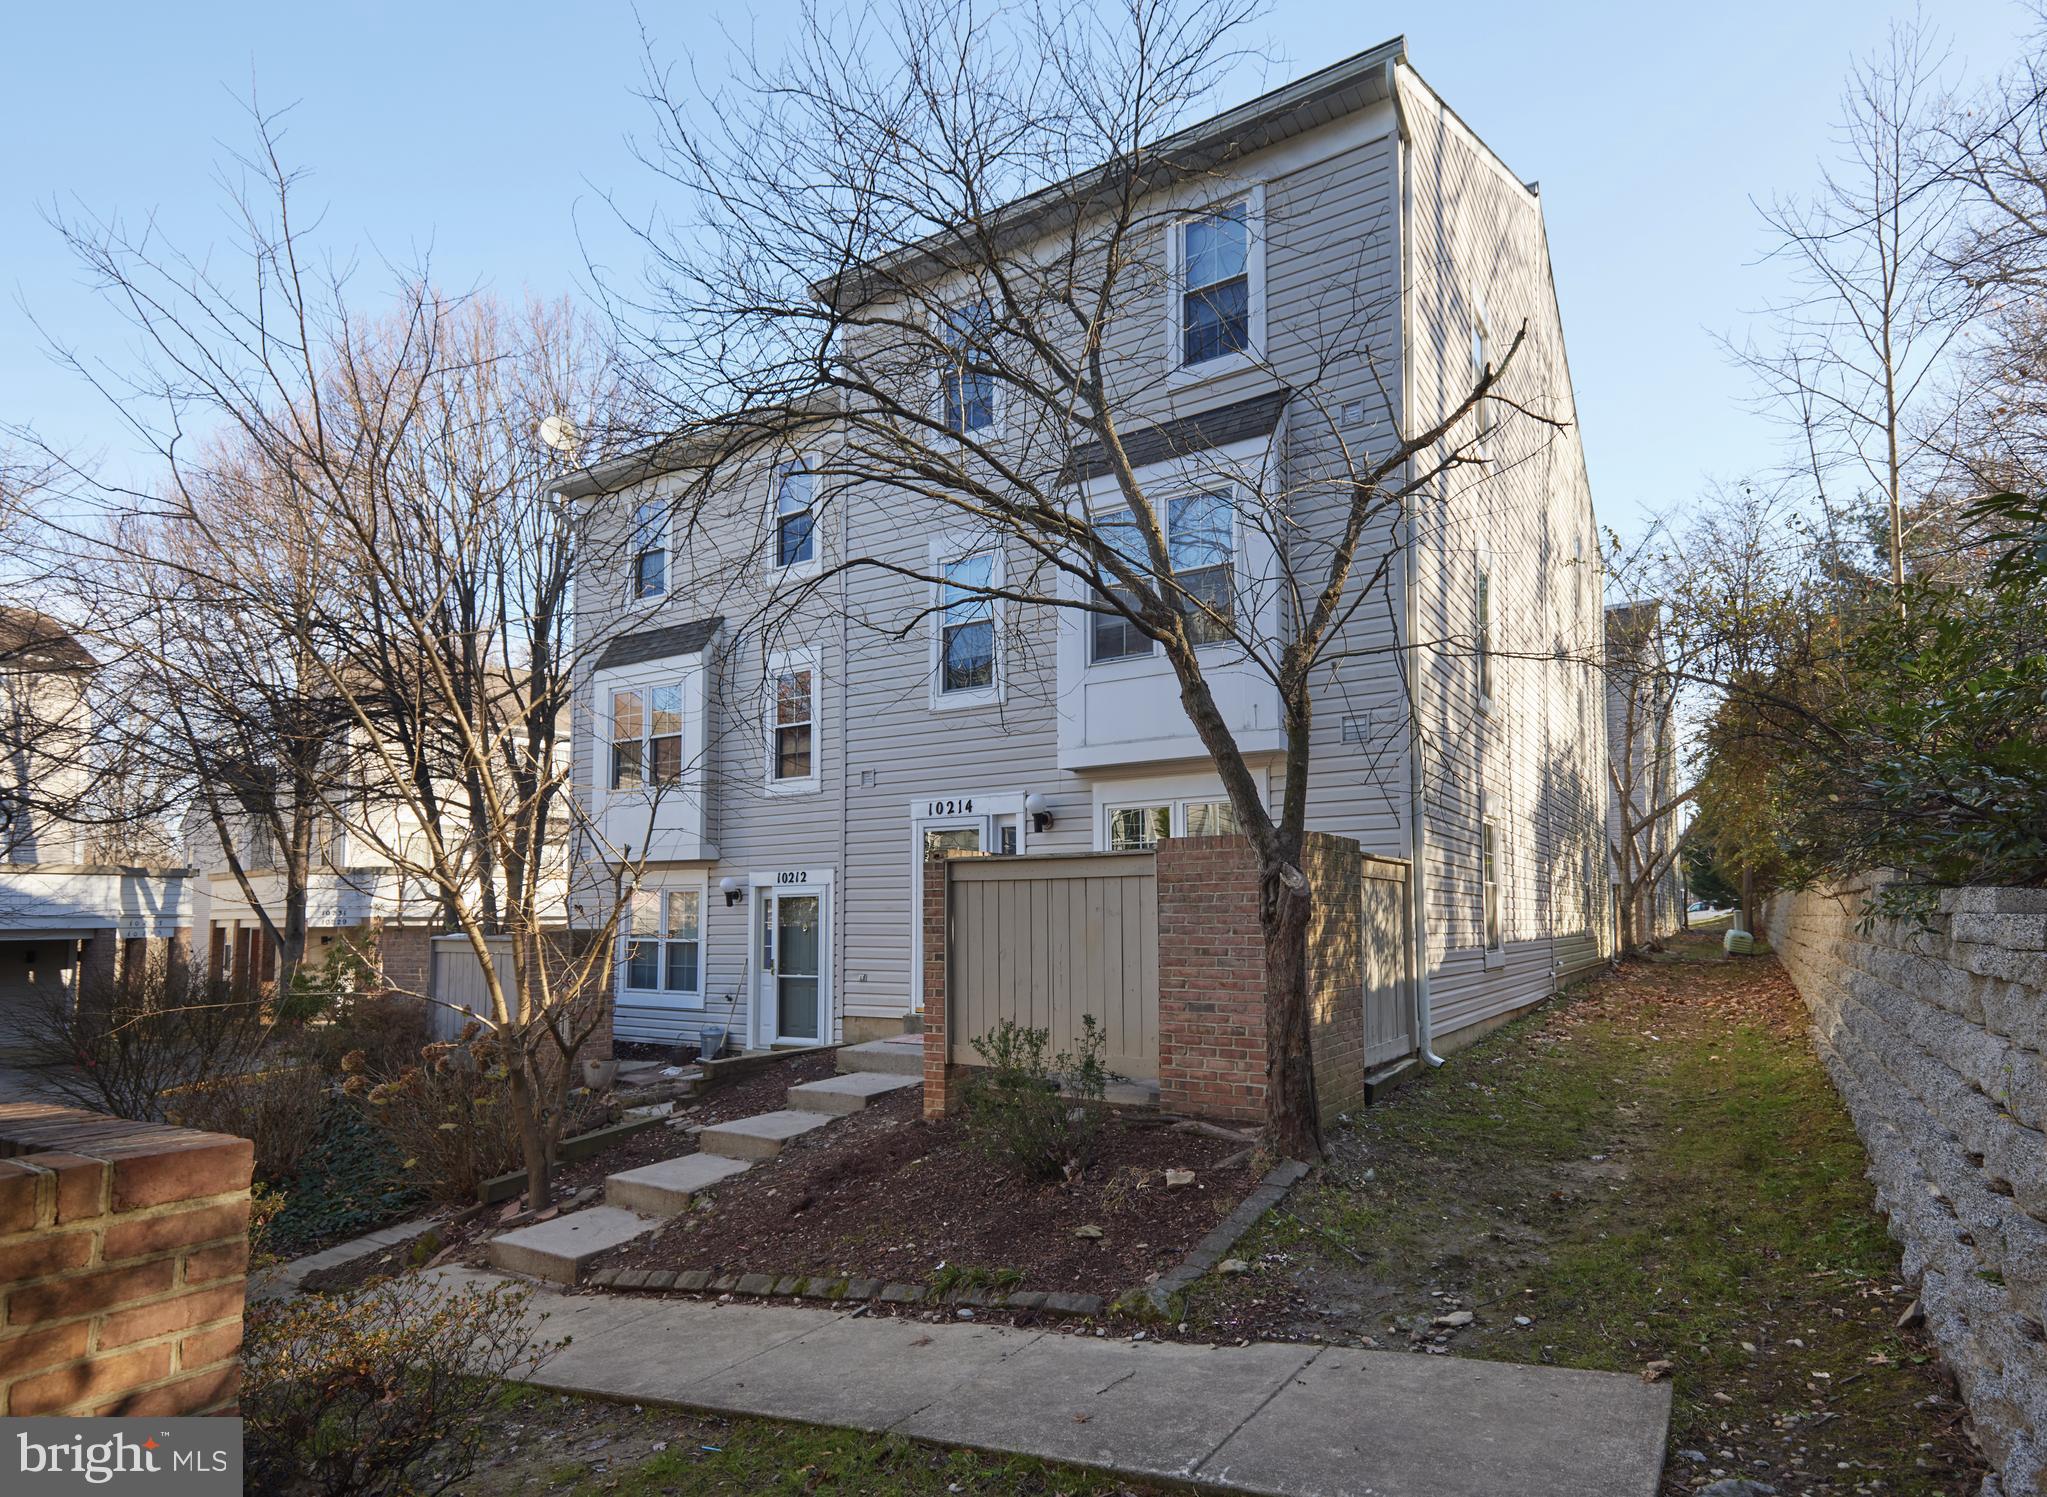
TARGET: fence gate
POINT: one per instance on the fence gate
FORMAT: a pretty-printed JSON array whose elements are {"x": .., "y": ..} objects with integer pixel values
[
  {"x": 1387, "y": 950},
  {"x": 1044, "y": 940},
  {"x": 456, "y": 985}
]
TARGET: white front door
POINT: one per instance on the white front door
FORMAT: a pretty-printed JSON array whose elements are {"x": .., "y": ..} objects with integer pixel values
[{"x": 794, "y": 996}]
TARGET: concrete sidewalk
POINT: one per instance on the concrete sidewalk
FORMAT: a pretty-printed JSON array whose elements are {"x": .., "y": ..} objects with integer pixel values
[{"x": 1262, "y": 1418}]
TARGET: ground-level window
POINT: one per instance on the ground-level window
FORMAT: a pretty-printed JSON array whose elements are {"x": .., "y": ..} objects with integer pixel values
[
  {"x": 1131, "y": 828},
  {"x": 664, "y": 941},
  {"x": 1489, "y": 881}
]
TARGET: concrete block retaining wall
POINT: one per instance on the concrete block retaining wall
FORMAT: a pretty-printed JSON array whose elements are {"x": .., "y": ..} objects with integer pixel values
[{"x": 1935, "y": 1032}]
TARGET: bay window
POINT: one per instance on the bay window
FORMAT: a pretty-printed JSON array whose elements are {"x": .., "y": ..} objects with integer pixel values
[
  {"x": 1200, "y": 549},
  {"x": 646, "y": 737}
]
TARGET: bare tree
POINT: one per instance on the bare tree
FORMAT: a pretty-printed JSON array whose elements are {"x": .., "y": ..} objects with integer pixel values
[
  {"x": 368, "y": 521},
  {"x": 924, "y": 244},
  {"x": 1861, "y": 350}
]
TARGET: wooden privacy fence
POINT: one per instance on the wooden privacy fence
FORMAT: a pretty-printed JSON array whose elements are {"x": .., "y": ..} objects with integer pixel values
[
  {"x": 455, "y": 983},
  {"x": 1386, "y": 949},
  {"x": 1045, "y": 940}
]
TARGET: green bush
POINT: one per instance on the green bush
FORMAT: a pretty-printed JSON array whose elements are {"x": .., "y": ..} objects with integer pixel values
[
  {"x": 389, "y": 1390},
  {"x": 1015, "y": 1110}
]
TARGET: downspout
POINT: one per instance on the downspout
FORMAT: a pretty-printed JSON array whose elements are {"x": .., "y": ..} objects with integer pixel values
[{"x": 1418, "y": 876}]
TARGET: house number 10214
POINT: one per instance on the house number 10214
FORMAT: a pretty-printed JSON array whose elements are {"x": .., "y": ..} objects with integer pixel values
[{"x": 949, "y": 807}]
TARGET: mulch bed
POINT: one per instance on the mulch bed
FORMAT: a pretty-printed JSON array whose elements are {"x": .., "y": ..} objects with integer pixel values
[{"x": 884, "y": 1194}]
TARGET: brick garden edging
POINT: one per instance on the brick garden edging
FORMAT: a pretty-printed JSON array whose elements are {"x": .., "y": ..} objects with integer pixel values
[
  {"x": 838, "y": 1288},
  {"x": 123, "y": 1253},
  {"x": 1227, "y": 1233}
]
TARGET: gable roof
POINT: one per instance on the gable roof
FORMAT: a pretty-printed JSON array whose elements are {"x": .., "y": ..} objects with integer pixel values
[
  {"x": 1330, "y": 93},
  {"x": 33, "y": 641}
]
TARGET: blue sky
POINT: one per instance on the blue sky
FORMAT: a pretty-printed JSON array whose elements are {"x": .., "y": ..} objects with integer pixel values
[{"x": 489, "y": 134}]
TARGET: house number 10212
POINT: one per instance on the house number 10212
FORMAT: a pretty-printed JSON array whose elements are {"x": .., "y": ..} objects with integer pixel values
[
  {"x": 949, "y": 807},
  {"x": 793, "y": 876}
]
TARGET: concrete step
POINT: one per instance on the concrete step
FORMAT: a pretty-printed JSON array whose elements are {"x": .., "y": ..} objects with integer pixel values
[
  {"x": 558, "y": 1250},
  {"x": 899, "y": 1054},
  {"x": 838, "y": 1095},
  {"x": 761, "y": 1136},
  {"x": 666, "y": 1187}
]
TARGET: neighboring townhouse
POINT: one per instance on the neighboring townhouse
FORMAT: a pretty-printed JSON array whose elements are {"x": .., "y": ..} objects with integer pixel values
[
  {"x": 1642, "y": 753},
  {"x": 355, "y": 893},
  {"x": 67, "y": 918},
  {"x": 777, "y": 762}
]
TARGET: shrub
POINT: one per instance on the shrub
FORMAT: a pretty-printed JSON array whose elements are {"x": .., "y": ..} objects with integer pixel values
[
  {"x": 120, "y": 1051},
  {"x": 280, "y": 1110},
  {"x": 353, "y": 1181},
  {"x": 449, "y": 1115},
  {"x": 389, "y": 1390},
  {"x": 1015, "y": 1110}
]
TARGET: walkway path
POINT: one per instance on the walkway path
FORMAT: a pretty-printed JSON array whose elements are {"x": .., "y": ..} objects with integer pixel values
[{"x": 1267, "y": 1417}]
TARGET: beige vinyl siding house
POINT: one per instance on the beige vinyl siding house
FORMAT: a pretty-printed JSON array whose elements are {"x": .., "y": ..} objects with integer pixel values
[{"x": 1377, "y": 222}]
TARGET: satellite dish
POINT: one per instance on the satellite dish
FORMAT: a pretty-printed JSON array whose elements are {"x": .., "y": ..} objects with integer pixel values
[{"x": 559, "y": 433}]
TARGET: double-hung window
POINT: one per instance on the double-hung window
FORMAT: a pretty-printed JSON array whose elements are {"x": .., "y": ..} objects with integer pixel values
[
  {"x": 1200, "y": 549},
  {"x": 1200, "y": 544},
  {"x": 628, "y": 739},
  {"x": 664, "y": 942},
  {"x": 792, "y": 721},
  {"x": 1112, "y": 636},
  {"x": 966, "y": 628},
  {"x": 1215, "y": 284},
  {"x": 1482, "y": 631},
  {"x": 646, "y": 737},
  {"x": 795, "y": 514},
  {"x": 650, "y": 550},
  {"x": 1133, "y": 828},
  {"x": 968, "y": 388}
]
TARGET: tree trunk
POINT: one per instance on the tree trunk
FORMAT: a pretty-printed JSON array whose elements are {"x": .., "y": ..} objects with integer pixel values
[
  {"x": 1293, "y": 1124},
  {"x": 524, "y": 1093},
  {"x": 1748, "y": 900}
]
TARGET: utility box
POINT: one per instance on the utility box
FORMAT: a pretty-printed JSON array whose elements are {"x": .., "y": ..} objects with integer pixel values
[{"x": 1738, "y": 943}]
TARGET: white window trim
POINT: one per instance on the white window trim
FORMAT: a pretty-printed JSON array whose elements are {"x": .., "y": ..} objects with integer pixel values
[
  {"x": 1179, "y": 374},
  {"x": 664, "y": 996},
  {"x": 804, "y": 657},
  {"x": 1489, "y": 819},
  {"x": 636, "y": 601},
  {"x": 1165, "y": 494},
  {"x": 1485, "y": 416},
  {"x": 944, "y": 550},
  {"x": 997, "y": 395},
  {"x": 798, "y": 570},
  {"x": 1485, "y": 650},
  {"x": 1178, "y": 791}
]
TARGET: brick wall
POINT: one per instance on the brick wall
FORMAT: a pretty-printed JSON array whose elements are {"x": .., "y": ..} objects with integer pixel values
[
  {"x": 1212, "y": 1050},
  {"x": 1935, "y": 1033},
  {"x": 123, "y": 1252},
  {"x": 941, "y": 1076},
  {"x": 404, "y": 956}
]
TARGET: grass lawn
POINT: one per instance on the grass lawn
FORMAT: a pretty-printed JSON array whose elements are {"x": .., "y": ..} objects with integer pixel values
[
  {"x": 1652, "y": 1168},
  {"x": 591, "y": 1448}
]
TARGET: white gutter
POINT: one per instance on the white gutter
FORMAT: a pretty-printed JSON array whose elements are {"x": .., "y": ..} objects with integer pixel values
[{"x": 1418, "y": 875}]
